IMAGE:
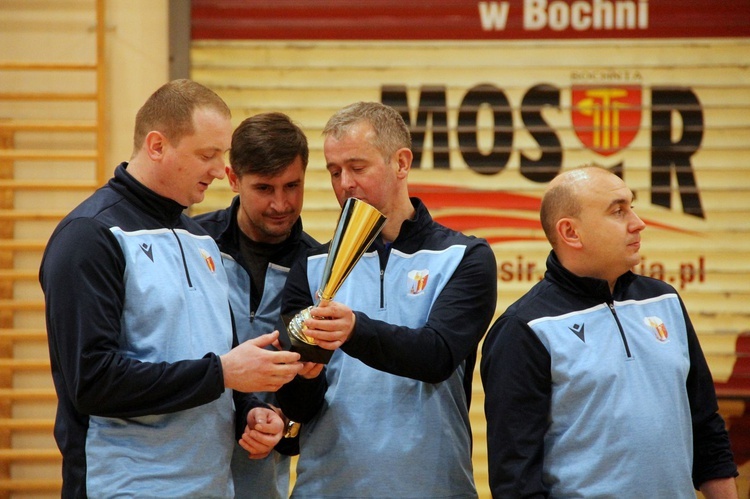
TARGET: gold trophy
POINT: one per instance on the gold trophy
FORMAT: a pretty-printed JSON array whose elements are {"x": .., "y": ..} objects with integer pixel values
[{"x": 357, "y": 227}]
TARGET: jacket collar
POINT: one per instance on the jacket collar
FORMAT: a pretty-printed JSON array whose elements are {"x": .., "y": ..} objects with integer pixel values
[
  {"x": 166, "y": 210},
  {"x": 415, "y": 226},
  {"x": 585, "y": 286}
]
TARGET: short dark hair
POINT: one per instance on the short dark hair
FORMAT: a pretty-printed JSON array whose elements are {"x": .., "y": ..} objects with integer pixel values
[
  {"x": 170, "y": 109},
  {"x": 266, "y": 144}
]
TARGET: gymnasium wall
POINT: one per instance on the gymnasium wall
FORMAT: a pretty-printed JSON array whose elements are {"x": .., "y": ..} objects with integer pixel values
[{"x": 500, "y": 96}]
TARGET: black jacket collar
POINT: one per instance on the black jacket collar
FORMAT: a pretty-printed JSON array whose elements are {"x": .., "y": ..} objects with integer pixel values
[
  {"x": 166, "y": 210},
  {"x": 414, "y": 227},
  {"x": 222, "y": 226},
  {"x": 590, "y": 287}
]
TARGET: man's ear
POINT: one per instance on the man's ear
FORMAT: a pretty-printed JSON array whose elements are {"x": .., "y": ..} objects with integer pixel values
[
  {"x": 567, "y": 233},
  {"x": 404, "y": 157},
  {"x": 234, "y": 180},
  {"x": 154, "y": 144}
]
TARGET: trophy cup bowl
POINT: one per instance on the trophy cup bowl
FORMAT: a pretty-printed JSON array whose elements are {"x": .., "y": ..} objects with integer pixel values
[{"x": 358, "y": 225}]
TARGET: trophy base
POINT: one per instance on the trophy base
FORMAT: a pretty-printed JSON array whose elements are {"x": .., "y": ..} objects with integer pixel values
[{"x": 310, "y": 353}]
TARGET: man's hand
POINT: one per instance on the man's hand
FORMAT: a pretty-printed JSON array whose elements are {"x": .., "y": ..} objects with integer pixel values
[
  {"x": 311, "y": 370},
  {"x": 334, "y": 327},
  {"x": 249, "y": 367},
  {"x": 263, "y": 431}
]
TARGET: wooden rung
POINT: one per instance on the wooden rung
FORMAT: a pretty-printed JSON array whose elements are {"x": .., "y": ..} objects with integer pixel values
[
  {"x": 13, "y": 125},
  {"x": 18, "y": 274},
  {"x": 47, "y": 66},
  {"x": 25, "y": 364},
  {"x": 49, "y": 485},
  {"x": 28, "y": 393},
  {"x": 47, "y": 96},
  {"x": 30, "y": 215},
  {"x": 21, "y": 305},
  {"x": 22, "y": 244},
  {"x": 26, "y": 424},
  {"x": 30, "y": 455},
  {"x": 49, "y": 185},
  {"x": 23, "y": 335},
  {"x": 48, "y": 155}
]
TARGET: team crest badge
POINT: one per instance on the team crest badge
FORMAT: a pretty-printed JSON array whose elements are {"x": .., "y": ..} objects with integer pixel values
[
  {"x": 658, "y": 327},
  {"x": 606, "y": 119},
  {"x": 209, "y": 261},
  {"x": 417, "y": 280}
]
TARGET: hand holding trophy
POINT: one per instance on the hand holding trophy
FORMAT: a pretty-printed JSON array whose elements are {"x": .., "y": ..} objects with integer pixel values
[{"x": 357, "y": 227}]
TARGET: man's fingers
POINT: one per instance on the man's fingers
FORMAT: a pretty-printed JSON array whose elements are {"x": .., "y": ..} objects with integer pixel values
[{"x": 265, "y": 339}]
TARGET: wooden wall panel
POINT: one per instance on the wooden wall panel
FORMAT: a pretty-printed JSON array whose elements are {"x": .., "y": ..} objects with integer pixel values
[{"x": 310, "y": 81}]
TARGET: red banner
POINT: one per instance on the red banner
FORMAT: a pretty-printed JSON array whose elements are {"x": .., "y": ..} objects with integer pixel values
[{"x": 467, "y": 20}]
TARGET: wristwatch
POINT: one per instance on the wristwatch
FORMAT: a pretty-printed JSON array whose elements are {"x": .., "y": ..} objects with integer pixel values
[{"x": 292, "y": 429}]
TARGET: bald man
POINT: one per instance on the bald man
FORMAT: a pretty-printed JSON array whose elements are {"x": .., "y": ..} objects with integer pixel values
[{"x": 595, "y": 383}]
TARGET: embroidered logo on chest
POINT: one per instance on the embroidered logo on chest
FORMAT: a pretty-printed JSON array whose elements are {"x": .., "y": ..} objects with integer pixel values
[
  {"x": 417, "y": 281},
  {"x": 148, "y": 250},
  {"x": 209, "y": 261},
  {"x": 658, "y": 327},
  {"x": 578, "y": 330}
]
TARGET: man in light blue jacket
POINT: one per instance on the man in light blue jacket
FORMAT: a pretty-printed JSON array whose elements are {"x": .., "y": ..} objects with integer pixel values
[
  {"x": 142, "y": 346},
  {"x": 595, "y": 383}
]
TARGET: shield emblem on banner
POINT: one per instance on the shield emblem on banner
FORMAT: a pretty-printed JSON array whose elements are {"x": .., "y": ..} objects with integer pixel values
[{"x": 606, "y": 118}]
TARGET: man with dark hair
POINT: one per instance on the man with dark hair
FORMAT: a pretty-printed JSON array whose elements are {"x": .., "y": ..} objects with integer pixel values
[
  {"x": 139, "y": 324},
  {"x": 595, "y": 383},
  {"x": 260, "y": 235}
]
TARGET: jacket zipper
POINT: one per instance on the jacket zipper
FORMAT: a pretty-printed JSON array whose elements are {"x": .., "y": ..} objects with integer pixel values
[
  {"x": 384, "y": 252},
  {"x": 619, "y": 326},
  {"x": 250, "y": 296},
  {"x": 382, "y": 291},
  {"x": 184, "y": 261}
]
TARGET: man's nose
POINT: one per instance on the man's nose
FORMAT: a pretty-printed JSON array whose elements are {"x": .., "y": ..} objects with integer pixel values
[{"x": 347, "y": 180}]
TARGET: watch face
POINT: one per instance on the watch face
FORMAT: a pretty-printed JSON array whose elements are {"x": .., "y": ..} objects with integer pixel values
[{"x": 292, "y": 429}]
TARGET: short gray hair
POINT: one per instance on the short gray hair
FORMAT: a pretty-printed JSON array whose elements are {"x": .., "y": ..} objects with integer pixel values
[{"x": 391, "y": 131}]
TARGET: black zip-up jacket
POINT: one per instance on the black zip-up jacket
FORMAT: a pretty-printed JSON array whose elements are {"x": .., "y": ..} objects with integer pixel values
[
  {"x": 602, "y": 394},
  {"x": 137, "y": 316},
  {"x": 256, "y": 314}
]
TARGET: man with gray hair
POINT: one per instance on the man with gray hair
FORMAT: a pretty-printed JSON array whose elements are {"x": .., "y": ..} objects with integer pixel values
[{"x": 388, "y": 416}]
